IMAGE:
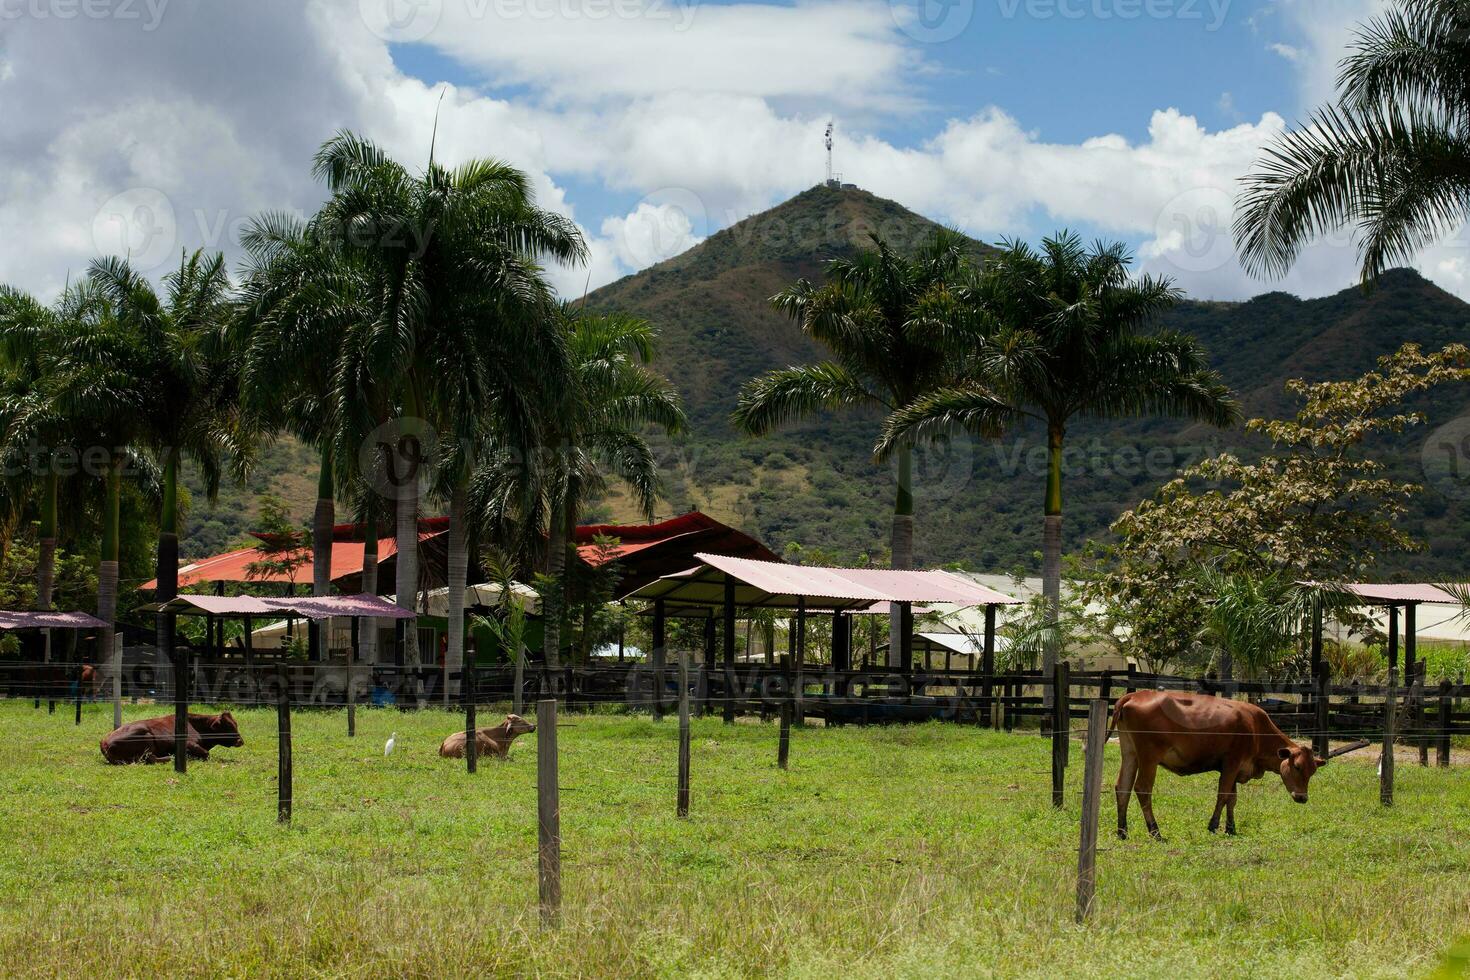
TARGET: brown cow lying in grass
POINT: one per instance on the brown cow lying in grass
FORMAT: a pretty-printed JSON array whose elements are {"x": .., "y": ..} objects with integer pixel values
[
  {"x": 488, "y": 741},
  {"x": 153, "y": 739},
  {"x": 1194, "y": 733}
]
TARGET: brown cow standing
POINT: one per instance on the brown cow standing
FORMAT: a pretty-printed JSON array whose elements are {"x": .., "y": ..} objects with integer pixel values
[
  {"x": 153, "y": 739},
  {"x": 488, "y": 741},
  {"x": 1194, "y": 733}
]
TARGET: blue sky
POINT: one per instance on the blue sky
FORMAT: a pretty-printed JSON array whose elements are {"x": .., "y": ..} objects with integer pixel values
[{"x": 653, "y": 123}]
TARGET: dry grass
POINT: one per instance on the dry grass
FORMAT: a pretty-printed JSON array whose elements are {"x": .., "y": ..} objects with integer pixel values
[{"x": 915, "y": 850}]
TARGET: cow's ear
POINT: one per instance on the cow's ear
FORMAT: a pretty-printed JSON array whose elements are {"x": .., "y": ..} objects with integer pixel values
[
  {"x": 1319, "y": 760},
  {"x": 1283, "y": 753}
]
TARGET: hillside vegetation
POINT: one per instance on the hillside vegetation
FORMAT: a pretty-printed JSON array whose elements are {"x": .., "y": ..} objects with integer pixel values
[{"x": 977, "y": 502}]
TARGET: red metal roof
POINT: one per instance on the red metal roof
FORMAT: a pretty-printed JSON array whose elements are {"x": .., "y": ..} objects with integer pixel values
[
  {"x": 49, "y": 620},
  {"x": 347, "y": 554},
  {"x": 647, "y": 552},
  {"x": 764, "y": 583}
]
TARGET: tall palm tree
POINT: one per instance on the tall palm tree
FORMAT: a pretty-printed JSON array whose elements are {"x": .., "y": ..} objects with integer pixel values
[
  {"x": 302, "y": 297},
  {"x": 598, "y": 429},
  {"x": 185, "y": 377},
  {"x": 862, "y": 315},
  {"x": 1050, "y": 335},
  {"x": 459, "y": 308},
  {"x": 31, "y": 334},
  {"x": 1391, "y": 156}
]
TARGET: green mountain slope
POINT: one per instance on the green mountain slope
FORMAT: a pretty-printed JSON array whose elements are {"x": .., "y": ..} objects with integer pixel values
[{"x": 979, "y": 502}]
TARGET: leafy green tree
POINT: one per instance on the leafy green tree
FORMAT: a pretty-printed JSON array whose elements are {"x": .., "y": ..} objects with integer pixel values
[
  {"x": 1045, "y": 336},
  {"x": 1319, "y": 508},
  {"x": 594, "y": 431},
  {"x": 1391, "y": 156},
  {"x": 863, "y": 314},
  {"x": 174, "y": 353},
  {"x": 459, "y": 319}
]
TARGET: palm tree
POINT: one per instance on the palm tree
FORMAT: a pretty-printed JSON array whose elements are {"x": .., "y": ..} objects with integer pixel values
[
  {"x": 614, "y": 397},
  {"x": 303, "y": 299},
  {"x": 185, "y": 379},
  {"x": 1050, "y": 335},
  {"x": 1392, "y": 156},
  {"x": 31, "y": 334},
  {"x": 862, "y": 315},
  {"x": 459, "y": 312}
]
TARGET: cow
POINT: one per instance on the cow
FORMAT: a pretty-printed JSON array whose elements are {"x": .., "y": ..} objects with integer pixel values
[
  {"x": 488, "y": 741},
  {"x": 152, "y": 739},
  {"x": 1194, "y": 733}
]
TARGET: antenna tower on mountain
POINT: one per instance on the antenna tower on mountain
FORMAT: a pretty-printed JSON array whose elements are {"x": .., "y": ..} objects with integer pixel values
[{"x": 834, "y": 181}]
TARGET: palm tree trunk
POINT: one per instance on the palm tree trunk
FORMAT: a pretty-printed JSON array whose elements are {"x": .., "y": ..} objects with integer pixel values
[
  {"x": 902, "y": 546},
  {"x": 1051, "y": 551},
  {"x": 552, "y": 603},
  {"x": 458, "y": 569},
  {"x": 322, "y": 522},
  {"x": 46, "y": 560},
  {"x": 367, "y": 639},
  {"x": 408, "y": 570},
  {"x": 107, "y": 565},
  {"x": 166, "y": 570}
]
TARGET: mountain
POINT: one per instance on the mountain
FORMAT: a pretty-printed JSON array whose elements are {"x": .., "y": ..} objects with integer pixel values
[
  {"x": 980, "y": 502},
  {"x": 977, "y": 502}
]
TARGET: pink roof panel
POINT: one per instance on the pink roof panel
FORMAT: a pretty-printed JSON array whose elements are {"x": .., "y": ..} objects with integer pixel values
[
  {"x": 764, "y": 583},
  {"x": 49, "y": 620}
]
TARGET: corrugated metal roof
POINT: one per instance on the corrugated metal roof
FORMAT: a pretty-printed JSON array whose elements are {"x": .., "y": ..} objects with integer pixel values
[
  {"x": 764, "y": 583},
  {"x": 1396, "y": 593},
  {"x": 49, "y": 620},
  {"x": 311, "y": 607}
]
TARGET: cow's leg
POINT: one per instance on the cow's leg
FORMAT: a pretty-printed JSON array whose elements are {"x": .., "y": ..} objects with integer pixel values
[
  {"x": 1124, "y": 788},
  {"x": 1144, "y": 787},
  {"x": 1225, "y": 800}
]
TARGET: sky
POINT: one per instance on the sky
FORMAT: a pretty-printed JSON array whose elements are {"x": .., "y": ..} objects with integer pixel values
[{"x": 144, "y": 127}]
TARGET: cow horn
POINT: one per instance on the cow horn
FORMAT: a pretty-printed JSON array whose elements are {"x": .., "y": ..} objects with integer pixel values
[{"x": 1345, "y": 749}]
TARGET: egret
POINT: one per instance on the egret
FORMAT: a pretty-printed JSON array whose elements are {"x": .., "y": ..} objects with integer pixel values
[{"x": 388, "y": 746}]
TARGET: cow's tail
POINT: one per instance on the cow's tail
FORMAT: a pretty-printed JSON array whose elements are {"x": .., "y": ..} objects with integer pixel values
[{"x": 1113, "y": 718}]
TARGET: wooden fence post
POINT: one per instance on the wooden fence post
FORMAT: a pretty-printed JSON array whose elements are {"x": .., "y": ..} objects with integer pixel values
[
  {"x": 1092, "y": 773},
  {"x": 352, "y": 655},
  {"x": 283, "y": 747},
  {"x": 1442, "y": 742},
  {"x": 79, "y": 689},
  {"x": 548, "y": 814},
  {"x": 117, "y": 672},
  {"x": 1323, "y": 706},
  {"x": 682, "y": 804},
  {"x": 783, "y": 741},
  {"x": 471, "y": 741},
  {"x": 1060, "y": 726},
  {"x": 1385, "y": 765}
]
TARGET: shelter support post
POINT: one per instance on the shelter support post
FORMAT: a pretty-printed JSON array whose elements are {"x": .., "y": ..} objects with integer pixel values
[
  {"x": 987, "y": 668},
  {"x": 658, "y": 659},
  {"x": 178, "y": 660},
  {"x": 906, "y": 636},
  {"x": 728, "y": 616},
  {"x": 799, "y": 661},
  {"x": 841, "y": 642},
  {"x": 351, "y": 697}
]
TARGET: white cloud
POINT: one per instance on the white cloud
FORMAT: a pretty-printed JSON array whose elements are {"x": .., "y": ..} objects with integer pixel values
[
  {"x": 677, "y": 118},
  {"x": 1287, "y": 51}
]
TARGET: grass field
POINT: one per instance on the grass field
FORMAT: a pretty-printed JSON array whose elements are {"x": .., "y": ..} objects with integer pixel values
[{"x": 916, "y": 850}]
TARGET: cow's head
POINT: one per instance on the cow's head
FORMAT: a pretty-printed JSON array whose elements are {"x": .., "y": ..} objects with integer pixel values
[
  {"x": 1298, "y": 763},
  {"x": 516, "y": 725},
  {"x": 222, "y": 730}
]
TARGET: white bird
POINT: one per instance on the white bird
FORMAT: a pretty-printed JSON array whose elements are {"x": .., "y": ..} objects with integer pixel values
[{"x": 388, "y": 746}]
